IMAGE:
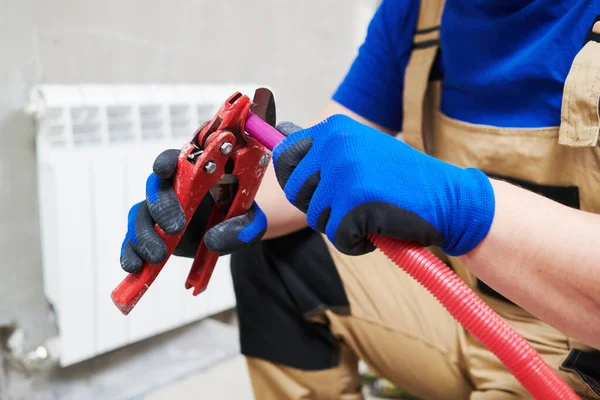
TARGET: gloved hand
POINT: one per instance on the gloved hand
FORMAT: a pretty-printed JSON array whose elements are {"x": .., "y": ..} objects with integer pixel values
[
  {"x": 162, "y": 207},
  {"x": 352, "y": 180}
]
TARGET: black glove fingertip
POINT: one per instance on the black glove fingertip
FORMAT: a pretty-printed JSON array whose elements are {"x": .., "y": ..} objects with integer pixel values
[
  {"x": 359, "y": 247},
  {"x": 223, "y": 237},
  {"x": 165, "y": 164},
  {"x": 213, "y": 239},
  {"x": 167, "y": 212},
  {"x": 130, "y": 261},
  {"x": 154, "y": 252},
  {"x": 238, "y": 232},
  {"x": 150, "y": 246},
  {"x": 287, "y": 128}
]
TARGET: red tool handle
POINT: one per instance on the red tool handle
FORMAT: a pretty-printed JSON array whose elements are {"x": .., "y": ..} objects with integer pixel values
[
  {"x": 191, "y": 183},
  {"x": 249, "y": 171},
  {"x": 536, "y": 376}
]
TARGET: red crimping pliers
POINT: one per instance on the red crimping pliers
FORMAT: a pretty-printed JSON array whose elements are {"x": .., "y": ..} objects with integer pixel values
[{"x": 221, "y": 159}]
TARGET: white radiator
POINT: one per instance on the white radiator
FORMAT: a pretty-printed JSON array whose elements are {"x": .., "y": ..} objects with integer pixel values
[{"x": 95, "y": 148}]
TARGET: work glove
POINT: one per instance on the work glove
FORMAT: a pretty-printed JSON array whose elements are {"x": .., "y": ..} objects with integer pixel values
[
  {"x": 142, "y": 242},
  {"x": 352, "y": 180}
]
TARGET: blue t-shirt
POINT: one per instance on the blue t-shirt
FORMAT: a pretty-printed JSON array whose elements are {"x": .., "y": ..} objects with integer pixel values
[{"x": 504, "y": 62}]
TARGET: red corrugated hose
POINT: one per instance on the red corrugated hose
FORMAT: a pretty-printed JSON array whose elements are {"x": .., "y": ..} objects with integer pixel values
[{"x": 478, "y": 318}]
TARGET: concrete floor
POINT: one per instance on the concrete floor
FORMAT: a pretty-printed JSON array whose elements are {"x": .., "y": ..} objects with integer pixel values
[
  {"x": 223, "y": 381},
  {"x": 174, "y": 365},
  {"x": 131, "y": 372}
]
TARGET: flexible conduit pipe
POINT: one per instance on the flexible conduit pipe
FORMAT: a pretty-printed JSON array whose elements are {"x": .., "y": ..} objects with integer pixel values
[
  {"x": 464, "y": 305},
  {"x": 478, "y": 318}
]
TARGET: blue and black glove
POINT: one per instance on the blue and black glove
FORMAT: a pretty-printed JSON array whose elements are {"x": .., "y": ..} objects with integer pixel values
[
  {"x": 142, "y": 242},
  {"x": 352, "y": 180}
]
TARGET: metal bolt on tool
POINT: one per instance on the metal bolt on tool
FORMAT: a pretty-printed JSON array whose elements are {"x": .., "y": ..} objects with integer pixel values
[
  {"x": 264, "y": 160},
  {"x": 210, "y": 167},
  {"x": 226, "y": 148}
]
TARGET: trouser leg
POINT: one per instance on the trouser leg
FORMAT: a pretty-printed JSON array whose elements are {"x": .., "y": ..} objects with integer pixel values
[
  {"x": 384, "y": 318},
  {"x": 273, "y": 381},
  {"x": 391, "y": 322}
]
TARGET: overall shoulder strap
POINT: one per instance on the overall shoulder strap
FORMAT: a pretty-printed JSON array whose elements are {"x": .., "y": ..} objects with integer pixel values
[{"x": 426, "y": 42}]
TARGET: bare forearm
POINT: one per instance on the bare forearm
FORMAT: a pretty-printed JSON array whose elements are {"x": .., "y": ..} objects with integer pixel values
[
  {"x": 283, "y": 217},
  {"x": 544, "y": 257}
]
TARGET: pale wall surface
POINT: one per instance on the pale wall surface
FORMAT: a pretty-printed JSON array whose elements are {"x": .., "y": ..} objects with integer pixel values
[{"x": 301, "y": 49}]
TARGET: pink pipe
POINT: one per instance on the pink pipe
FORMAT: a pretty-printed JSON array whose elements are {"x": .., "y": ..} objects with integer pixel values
[
  {"x": 541, "y": 381},
  {"x": 263, "y": 132}
]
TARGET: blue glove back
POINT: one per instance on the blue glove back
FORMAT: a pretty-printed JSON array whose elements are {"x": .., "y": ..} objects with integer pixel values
[{"x": 353, "y": 180}]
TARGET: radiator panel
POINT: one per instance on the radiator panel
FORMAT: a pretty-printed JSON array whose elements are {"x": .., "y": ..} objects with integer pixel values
[{"x": 95, "y": 148}]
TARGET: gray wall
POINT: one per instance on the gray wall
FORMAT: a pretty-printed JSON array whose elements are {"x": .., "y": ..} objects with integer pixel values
[
  {"x": 21, "y": 294},
  {"x": 299, "y": 48}
]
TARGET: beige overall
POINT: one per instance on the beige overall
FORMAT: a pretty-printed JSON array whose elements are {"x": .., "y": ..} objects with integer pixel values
[{"x": 397, "y": 327}]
